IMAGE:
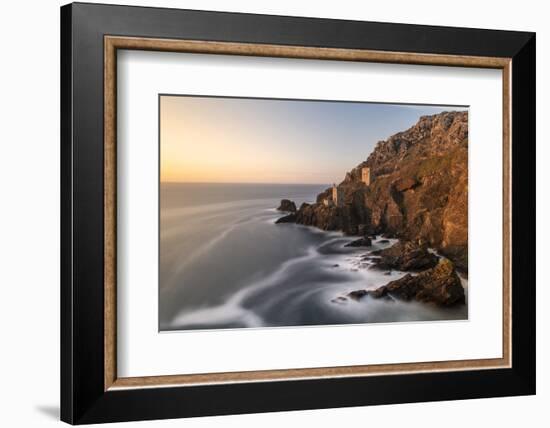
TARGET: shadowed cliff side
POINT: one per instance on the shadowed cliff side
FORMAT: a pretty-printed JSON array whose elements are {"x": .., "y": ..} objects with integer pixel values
[{"x": 418, "y": 189}]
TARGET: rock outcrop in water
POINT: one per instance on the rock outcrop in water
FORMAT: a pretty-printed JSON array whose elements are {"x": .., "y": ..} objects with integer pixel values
[
  {"x": 440, "y": 285},
  {"x": 404, "y": 256},
  {"x": 365, "y": 241},
  {"x": 418, "y": 189},
  {"x": 289, "y": 218},
  {"x": 287, "y": 205}
]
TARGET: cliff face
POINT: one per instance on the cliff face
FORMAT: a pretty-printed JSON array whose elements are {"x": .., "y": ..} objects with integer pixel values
[{"x": 418, "y": 189}]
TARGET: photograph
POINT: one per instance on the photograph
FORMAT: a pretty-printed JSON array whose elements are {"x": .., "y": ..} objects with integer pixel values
[{"x": 294, "y": 213}]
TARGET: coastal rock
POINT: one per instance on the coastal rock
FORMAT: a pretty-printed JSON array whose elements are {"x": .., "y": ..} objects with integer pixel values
[
  {"x": 404, "y": 184},
  {"x": 361, "y": 242},
  {"x": 440, "y": 285},
  {"x": 357, "y": 294},
  {"x": 287, "y": 205},
  {"x": 290, "y": 218},
  {"x": 319, "y": 215},
  {"x": 405, "y": 256},
  {"x": 418, "y": 189}
]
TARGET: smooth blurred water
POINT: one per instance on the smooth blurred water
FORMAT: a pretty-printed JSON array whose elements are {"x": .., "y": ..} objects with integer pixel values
[{"x": 224, "y": 263}]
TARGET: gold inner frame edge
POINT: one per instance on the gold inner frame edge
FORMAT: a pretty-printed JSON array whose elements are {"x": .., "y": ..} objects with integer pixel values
[{"x": 113, "y": 43}]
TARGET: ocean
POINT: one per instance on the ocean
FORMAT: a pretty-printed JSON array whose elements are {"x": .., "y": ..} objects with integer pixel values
[{"x": 224, "y": 263}]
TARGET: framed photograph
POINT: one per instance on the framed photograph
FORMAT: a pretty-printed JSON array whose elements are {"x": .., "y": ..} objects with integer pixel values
[{"x": 266, "y": 213}]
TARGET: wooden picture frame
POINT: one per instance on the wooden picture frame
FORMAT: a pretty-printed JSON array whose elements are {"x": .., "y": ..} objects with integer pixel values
[{"x": 91, "y": 391}]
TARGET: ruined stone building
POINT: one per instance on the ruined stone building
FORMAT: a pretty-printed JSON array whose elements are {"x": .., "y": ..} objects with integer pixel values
[
  {"x": 365, "y": 175},
  {"x": 337, "y": 196}
]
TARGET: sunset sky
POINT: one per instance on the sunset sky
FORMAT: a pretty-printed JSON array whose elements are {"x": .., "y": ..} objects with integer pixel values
[{"x": 246, "y": 140}]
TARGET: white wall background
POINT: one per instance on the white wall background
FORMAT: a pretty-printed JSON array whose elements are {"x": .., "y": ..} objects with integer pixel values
[{"x": 29, "y": 213}]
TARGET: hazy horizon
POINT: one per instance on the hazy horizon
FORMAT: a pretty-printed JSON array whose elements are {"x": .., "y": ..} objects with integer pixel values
[{"x": 270, "y": 141}]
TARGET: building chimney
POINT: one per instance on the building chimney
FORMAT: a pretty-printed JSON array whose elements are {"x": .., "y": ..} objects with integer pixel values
[
  {"x": 337, "y": 195},
  {"x": 365, "y": 175}
]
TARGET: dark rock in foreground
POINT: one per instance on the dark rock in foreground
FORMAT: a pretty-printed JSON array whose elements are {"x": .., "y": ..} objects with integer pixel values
[
  {"x": 440, "y": 285},
  {"x": 287, "y": 205},
  {"x": 291, "y": 218},
  {"x": 358, "y": 294},
  {"x": 405, "y": 256},
  {"x": 361, "y": 242}
]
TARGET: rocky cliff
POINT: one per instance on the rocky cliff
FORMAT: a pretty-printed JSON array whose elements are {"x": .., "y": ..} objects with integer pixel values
[
  {"x": 440, "y": 285},
  {"x": 418, "y": 189}
]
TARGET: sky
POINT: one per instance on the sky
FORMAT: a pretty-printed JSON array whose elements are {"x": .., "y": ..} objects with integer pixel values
[{"x": 250, "y": 140}]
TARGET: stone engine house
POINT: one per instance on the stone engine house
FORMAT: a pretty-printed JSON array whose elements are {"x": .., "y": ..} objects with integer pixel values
[
  {"x": 337, "y": 196},
  {"x": 365, "y": 175}
]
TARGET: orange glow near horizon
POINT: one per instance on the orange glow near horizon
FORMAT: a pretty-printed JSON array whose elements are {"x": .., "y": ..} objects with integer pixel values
[
  {"x": 210, "y": 146},
  {"x": 239, "y": 140}
]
